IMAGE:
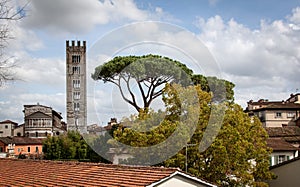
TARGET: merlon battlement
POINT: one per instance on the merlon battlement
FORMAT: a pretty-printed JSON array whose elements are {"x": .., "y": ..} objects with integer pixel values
[{"x": 73, "y": 43}]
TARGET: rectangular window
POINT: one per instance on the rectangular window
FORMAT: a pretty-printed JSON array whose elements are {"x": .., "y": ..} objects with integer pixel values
[
  {"x": 36, "y": 149},
  {"x": 280, "y": 158},
  {"x": 278, "y": 115},
  {"x": 76, "y": 83},
  {"x": 76, "y": 70},
  {"x": 6, "y": 126},
  {"x": 1, "y": 149},
  {"x": 290, "y": 114},
  {"x": 28, "y": 149},
  {"x": 76, "y": 58},
  {"x": 76, "y": 107},
  {"x": 76, "y": 95},
  {"x": 19, "y": 150}
]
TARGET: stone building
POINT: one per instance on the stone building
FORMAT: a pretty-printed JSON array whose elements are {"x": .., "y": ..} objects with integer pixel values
[
  {"x": 276, "y": 113},
  {"x": 41, "y": 121},
  {"x": 7, "y": 128},
  {"x": 76, "y": 86},
  {"x": 281, "y": 121}
]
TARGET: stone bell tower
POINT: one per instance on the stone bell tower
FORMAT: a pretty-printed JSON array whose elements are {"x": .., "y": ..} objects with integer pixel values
[{"x": 76, "y": 86}]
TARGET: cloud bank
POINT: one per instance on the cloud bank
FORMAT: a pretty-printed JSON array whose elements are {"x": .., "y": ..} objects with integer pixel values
[
  {"x": 264, "y": 62},
  {"x": 79, "y": 16}
]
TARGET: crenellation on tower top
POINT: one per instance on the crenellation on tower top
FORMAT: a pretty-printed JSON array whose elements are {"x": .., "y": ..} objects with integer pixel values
[{"x": 75, "y": 43}]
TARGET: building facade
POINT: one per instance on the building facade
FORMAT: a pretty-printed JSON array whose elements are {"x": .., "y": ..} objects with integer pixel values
[
  {"x": 7, "y": 128},
  {"x": 276, "y": 113},
  {"x": 41, "y": 121},
  {"x": 14, "y": 146},
  {"x": 281, "y": 121},
  {"x": 76, "y": 86}
]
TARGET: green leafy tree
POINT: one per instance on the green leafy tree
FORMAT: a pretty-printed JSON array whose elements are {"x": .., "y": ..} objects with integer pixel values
[
  {"x": 222, "y": 89},
  {"x": 72, "y": 146},
  {"x": 238, "y": 155},
  {"x": 155, "y": 136},
  {"x": 67, "y": 146},
  {"x": 98, "y": 147},
  {"x": 150, "y": 73}
]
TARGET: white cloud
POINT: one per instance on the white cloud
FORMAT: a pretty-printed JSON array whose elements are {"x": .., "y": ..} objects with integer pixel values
[
  {"x": 295, "y": 17},
  {"x": 49, "y": 72},
  {"x": 12, "y": 110},
  {"x": 260, "y": 62},
  {"x": 23, "y": 39},
  {"x": 79, "y": 16}
]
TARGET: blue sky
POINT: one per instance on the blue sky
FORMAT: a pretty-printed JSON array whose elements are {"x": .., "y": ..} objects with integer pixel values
[{"x": 256, "y": 45}]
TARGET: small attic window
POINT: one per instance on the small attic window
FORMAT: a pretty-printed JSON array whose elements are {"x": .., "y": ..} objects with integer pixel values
[{"x": 278, "y": 115}]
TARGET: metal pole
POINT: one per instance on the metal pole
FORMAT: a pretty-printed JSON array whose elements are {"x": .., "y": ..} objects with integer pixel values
[
  {"x": 186, "y": 147},
  {"x": 186, "y": 158}
]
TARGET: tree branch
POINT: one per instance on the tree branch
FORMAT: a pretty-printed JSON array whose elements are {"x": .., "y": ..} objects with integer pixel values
[
  {"x": 126, "y": 99},
  {"x": 142, "y": 91}
]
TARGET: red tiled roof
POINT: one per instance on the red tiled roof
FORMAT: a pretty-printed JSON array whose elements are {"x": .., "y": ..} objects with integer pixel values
[
  {"x": 288, "y": 133},
  {"x": 8, "y": 121},
  {"x": 278, "y": 144},
  {"x": 282, "y": 106},
  {"x": 57, "y": 173},
  {"x": 21, "y": 140}
]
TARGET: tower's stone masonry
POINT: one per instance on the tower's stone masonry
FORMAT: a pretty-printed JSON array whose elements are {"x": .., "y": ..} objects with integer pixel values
[{"x": 76, "y": 86}]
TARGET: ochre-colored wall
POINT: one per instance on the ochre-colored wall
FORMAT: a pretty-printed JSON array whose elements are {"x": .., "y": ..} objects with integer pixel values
[{"x": 23, "y": 149}]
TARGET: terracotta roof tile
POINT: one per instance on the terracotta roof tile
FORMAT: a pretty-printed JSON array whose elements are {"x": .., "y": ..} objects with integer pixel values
[
  {"x": 287, "y": 131},
  {"x": 58, "y": 173},
  {"x": 21, "y": 140},
  {"x": 8, "y": 121},
  {"x": 276, "y": 106},
  {"x": 279, "y": 144}
]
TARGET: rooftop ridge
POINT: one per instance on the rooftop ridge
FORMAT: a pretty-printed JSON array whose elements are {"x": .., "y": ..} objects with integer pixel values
[{"x": 71, "y": 162}]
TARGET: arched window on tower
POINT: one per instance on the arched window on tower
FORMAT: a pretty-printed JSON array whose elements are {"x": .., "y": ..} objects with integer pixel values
[
  {"x": 76, "y": 83},
  {"x": 76, "y": 58},
  {"x": 76, "y": 70},
  {"x": 76, "y": 107}
]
